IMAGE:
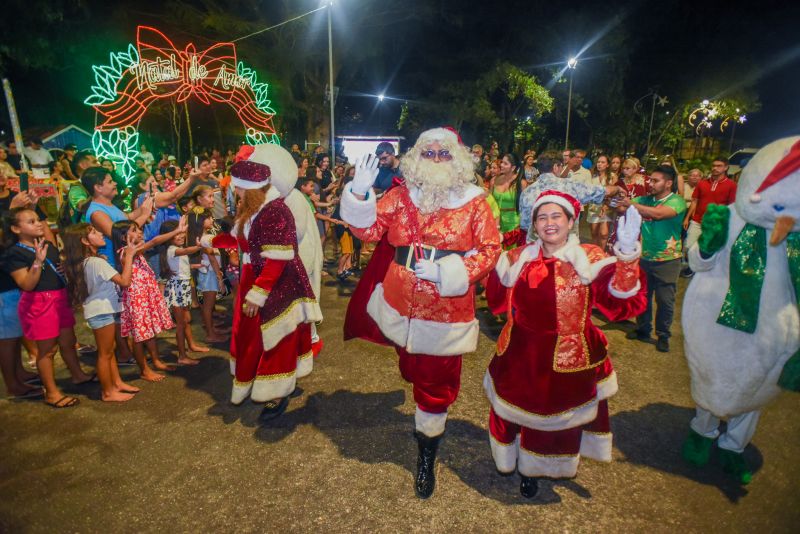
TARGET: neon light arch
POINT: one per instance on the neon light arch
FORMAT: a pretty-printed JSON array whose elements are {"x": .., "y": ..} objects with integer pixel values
[{"x": 155, "y": 69}]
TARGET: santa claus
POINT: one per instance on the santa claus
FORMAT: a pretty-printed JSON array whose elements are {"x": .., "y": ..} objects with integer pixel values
[
  {"x": 275, "y": 303},
  {"x": 445, "y": 239}
]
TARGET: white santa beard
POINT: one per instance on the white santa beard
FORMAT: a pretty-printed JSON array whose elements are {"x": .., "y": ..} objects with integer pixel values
[{"x": 435, "y": 182}]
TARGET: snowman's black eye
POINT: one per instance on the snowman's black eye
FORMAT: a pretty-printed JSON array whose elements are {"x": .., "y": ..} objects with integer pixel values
[{"x": 778, "y": 207}]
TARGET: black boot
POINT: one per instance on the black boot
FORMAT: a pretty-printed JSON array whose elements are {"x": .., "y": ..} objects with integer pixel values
[
  {"x": 426, "y": 478},
  {"x": 273, "y": 409},
  {"x": 529, "y": 487}
]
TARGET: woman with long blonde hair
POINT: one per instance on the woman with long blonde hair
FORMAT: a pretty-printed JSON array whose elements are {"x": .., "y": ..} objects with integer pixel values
[
  {"x": 598, "y": 215},
  {"x": 275, "y": 303}
]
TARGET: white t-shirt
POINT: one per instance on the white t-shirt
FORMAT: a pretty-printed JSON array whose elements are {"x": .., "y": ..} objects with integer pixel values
[
  {"x": 148, "y": 158},
  {"x": 179, "y": 265},
  {"x": 103, "y": 293},
  {"x": 37, "y": 157},
  {"x": 688, "y": 190},
  {"x": 205, "y": 241},
  {"x": 581, "y": 175}
]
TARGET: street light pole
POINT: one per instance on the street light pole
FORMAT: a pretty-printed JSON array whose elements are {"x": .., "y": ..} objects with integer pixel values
[
  {"x": 330, "y": 84},
  {"x": 650, "y": 129},
  {"x": 571, "y": 64}
]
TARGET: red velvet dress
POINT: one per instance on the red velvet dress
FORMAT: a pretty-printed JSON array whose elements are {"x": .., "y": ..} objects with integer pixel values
[
  {"x": 550, "y": 378},
  {"x": 272, "y": 349}
]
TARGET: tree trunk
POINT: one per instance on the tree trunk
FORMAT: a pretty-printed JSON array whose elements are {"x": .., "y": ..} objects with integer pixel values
[
  {"x": 176, "y": 128},
  {"x": 188, "y": 127}
]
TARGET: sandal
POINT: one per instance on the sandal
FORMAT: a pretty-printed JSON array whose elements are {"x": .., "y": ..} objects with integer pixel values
[{"x": 60, "y": 403}]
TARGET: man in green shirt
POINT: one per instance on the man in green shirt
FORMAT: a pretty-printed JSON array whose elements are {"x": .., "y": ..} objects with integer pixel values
[
  {"x": 662, "y": 212},
  {"x": 78, "y": 199}
]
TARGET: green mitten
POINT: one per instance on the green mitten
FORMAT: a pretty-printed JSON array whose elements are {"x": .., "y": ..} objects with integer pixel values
[
  {"x": 714, "y": 228},
  {"x": 790, "y": 376}
]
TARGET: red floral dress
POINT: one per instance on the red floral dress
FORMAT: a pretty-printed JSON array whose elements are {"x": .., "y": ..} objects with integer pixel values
[{"x": 144, "y": 311}]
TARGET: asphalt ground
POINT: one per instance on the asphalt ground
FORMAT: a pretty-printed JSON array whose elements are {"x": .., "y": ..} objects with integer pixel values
[{"x": 180, "y": 458}]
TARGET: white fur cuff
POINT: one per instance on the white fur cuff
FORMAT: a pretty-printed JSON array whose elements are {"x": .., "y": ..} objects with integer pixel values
[
  {"x": 430, "y": 424},
  {"x": 624, "y": 294},
  {"x": 540, "y": 465},
  {"x": 596, "y": 445},
  {"x": 257, "y": 296},
  {"x": 454, "y": 279},
  {"x": 358, "y": 213},
  {"x": 637, "y": 251},
  {"x": 505, "y": 454},
  {"x": 277, "y": 252}
]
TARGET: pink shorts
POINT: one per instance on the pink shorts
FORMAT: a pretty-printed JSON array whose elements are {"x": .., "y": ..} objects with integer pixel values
[{"x": 43, "y": 314}]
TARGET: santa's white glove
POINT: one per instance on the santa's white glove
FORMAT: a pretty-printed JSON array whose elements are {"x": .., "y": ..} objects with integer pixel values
[
  {"x": 628, "y": 228},
  {"x": 366, "y": 173},
  {"x": 427, "y": 270}
]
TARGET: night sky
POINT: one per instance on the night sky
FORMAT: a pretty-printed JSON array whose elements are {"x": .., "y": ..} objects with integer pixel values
[{"x": 682, "y": 49}]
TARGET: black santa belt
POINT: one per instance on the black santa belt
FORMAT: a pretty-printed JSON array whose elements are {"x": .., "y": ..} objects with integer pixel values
[{"x": 405, "y": 255}]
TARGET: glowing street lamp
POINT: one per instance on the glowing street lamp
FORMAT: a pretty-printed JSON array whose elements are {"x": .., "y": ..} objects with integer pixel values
[
  {"x": 571, "y": 64},
  {"x": 381, "y": 97},
  {"x": 330, "y": 82}
]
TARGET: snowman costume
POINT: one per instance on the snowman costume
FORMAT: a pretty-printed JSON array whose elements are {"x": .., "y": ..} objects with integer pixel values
[{"x": 740, "y": 315}]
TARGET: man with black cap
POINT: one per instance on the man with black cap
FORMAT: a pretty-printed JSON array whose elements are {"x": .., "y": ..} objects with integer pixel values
[
  {"x": 389, "y": 166},
  {"x": 66, "y": 163}
]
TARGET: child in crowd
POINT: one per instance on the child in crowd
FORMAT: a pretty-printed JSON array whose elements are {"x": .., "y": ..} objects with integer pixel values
[
  {"x": 345, "y": 238},
  {"x": 203, "y": 196},
  {"x": 170, "y": 178},
  {"x": 209, "y": 276},
  {"x": 144, "y": 312},
  {"x": 176, "y": 268},
  {"x": 93, "y": 283},
  {"x": 230, "y": 256},
  {"x": 44, "y": 311}
]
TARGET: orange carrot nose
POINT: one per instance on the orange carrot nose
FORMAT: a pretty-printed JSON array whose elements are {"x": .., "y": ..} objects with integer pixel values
[{"x": 783, "y": 225}]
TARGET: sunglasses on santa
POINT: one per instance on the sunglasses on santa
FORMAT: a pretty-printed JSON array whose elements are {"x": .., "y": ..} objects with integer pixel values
[{"x": 444, "y": 155}]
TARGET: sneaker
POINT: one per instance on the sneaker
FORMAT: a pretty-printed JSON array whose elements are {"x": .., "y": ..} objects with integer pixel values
[
  {"x": 638, "y": 336},
  {"x": 662, "y": 345}
]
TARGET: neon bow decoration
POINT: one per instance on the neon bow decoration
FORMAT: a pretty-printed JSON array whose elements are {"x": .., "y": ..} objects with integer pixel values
[
  {"x": 156, "y": 69},
  {"x": 163, "y": 71}
]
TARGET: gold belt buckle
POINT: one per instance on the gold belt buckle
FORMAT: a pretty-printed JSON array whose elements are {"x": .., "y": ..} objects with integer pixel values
[{"x": 411, "y": 251}]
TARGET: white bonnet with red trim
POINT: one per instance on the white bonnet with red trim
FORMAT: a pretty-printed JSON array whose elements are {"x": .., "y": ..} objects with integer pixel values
[
  {"x": 570, "y": 204},
  {"x": 259, "y": 165},
  {"x": 769, "y": 186}
]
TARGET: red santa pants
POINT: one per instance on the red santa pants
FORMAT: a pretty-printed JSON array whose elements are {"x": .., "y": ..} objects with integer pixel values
[
  {"x": 555, "y": 454},
  {"x": 436, "y": 381}
]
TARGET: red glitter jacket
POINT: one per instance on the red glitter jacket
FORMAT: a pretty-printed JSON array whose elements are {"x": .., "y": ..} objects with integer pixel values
[{"x": 281, "y": 288}]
